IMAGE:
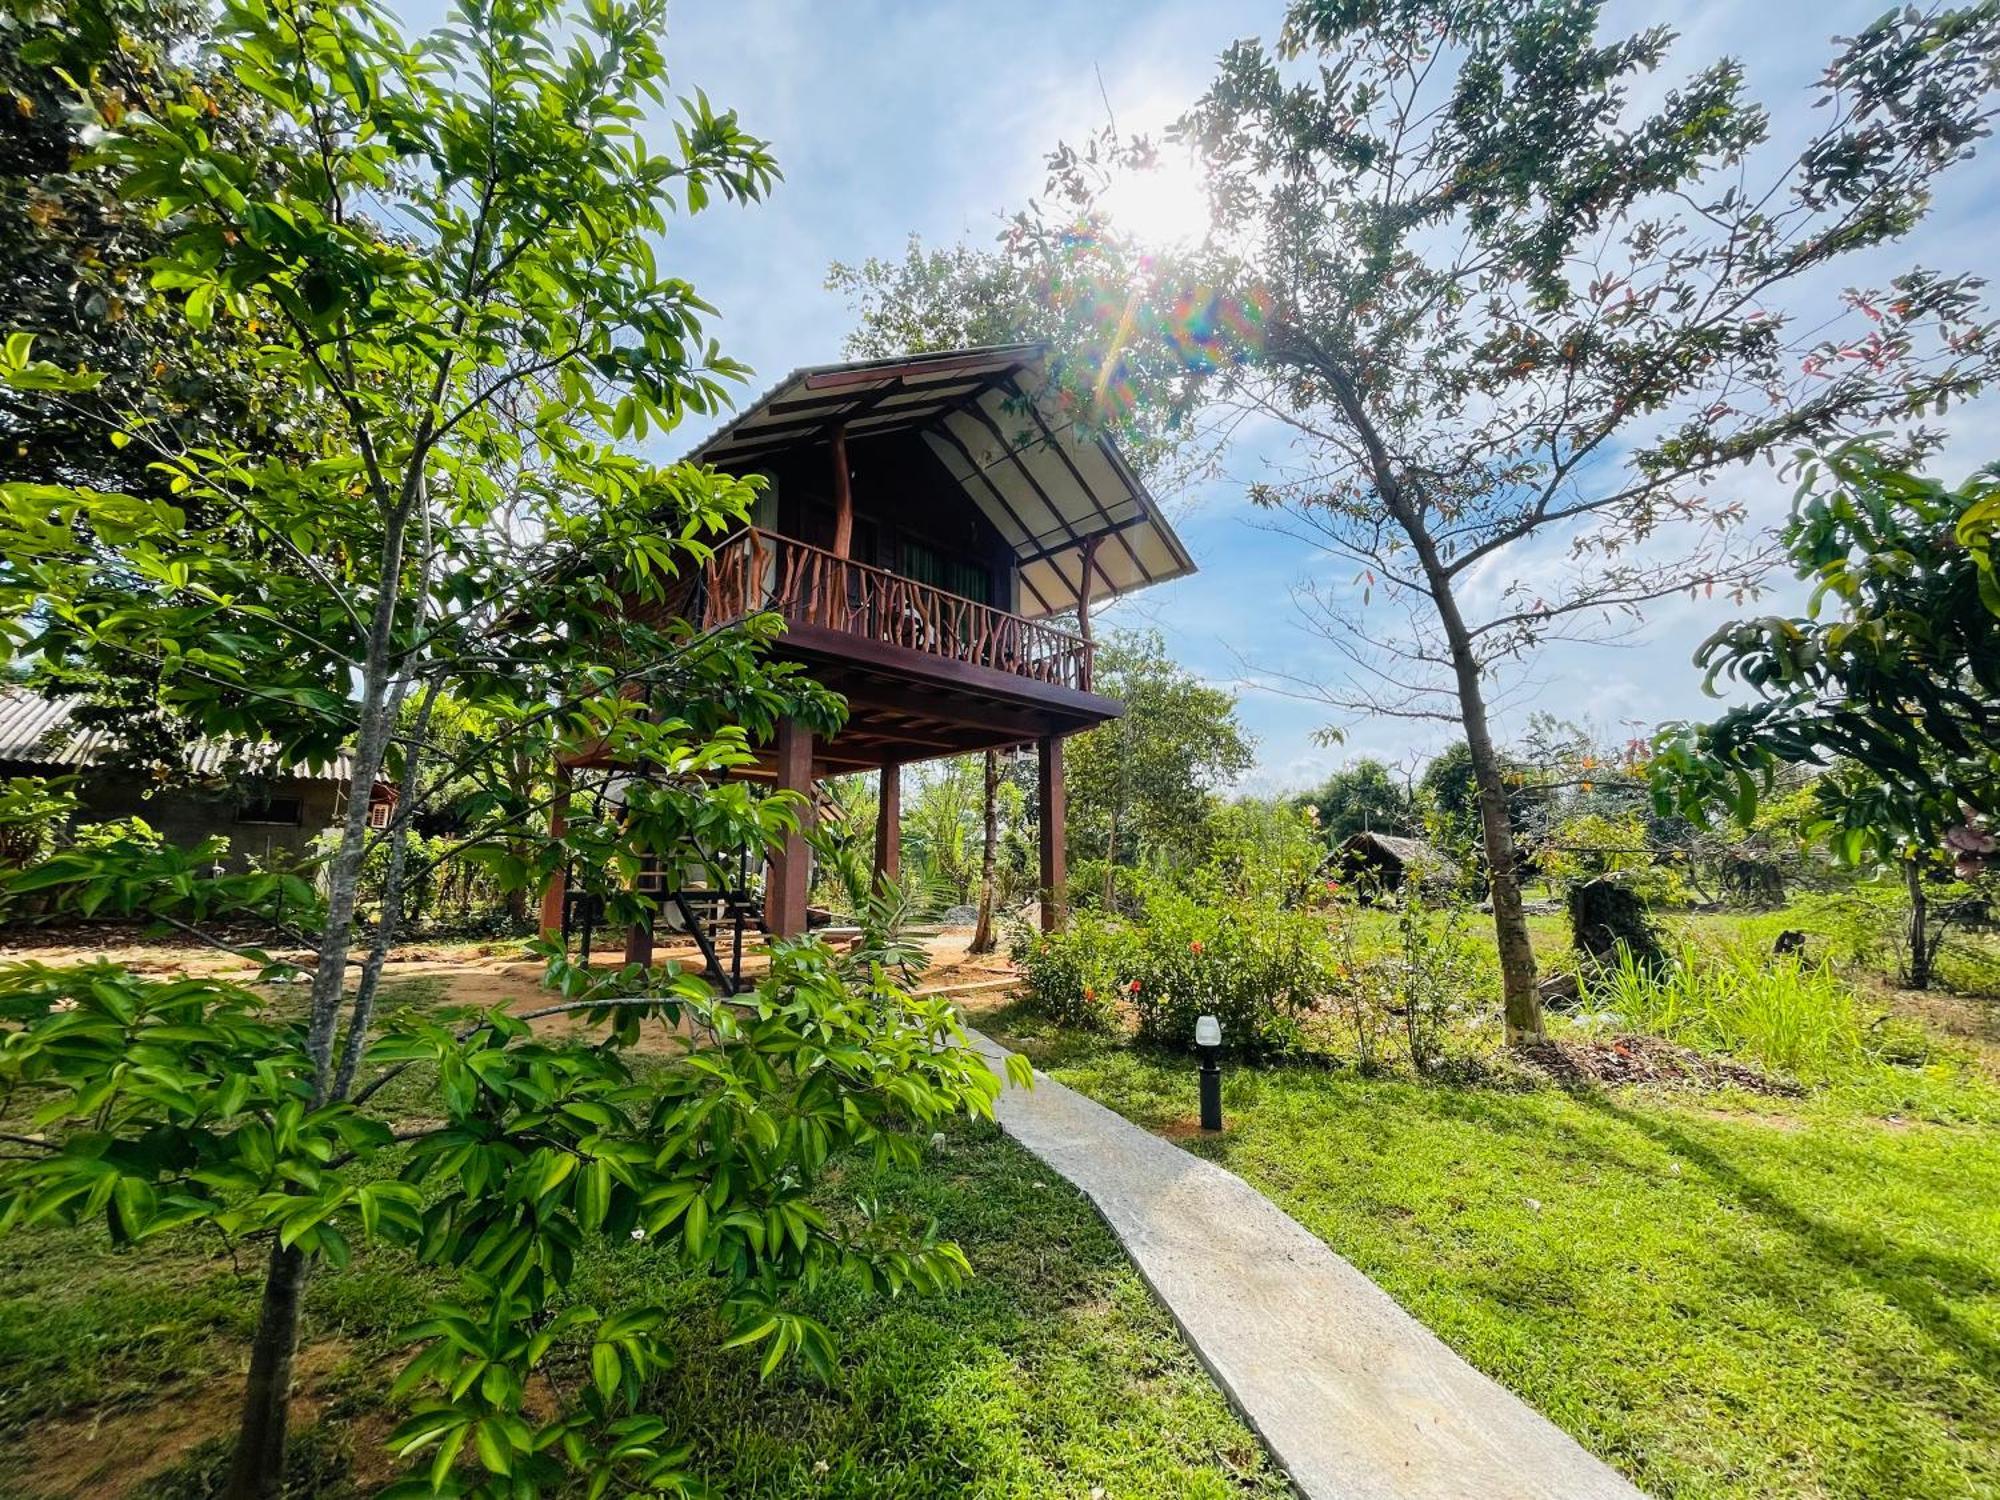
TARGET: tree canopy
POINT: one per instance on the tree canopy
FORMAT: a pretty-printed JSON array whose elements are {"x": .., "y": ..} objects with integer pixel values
[
  {"x": 1140, "y": 786},
  {"x": 1363, "y": 797},
  {"x": 1507, "y": 290},
  {"x": 451, "y": 248},
  {"x": 1891, "y": 679}
]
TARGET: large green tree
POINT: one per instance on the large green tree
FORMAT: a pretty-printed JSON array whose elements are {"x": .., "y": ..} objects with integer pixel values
[
  {"x": 1363, "y": 797},
  {"x": 1517, "y": 301},
  {"x": 76, "y": 272},
  {"x": 453, "y": 247},
  {"x": 1141, "y": 787},
  {"x": 1891, "y": 679},
  {"x": 1072, "y": 295}
]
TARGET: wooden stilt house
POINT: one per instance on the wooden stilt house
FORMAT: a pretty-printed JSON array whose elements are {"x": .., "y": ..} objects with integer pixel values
[{"x": 936, "y": 533}]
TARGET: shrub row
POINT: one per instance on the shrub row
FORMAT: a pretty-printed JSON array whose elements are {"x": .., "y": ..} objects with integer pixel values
[{"x": 1258, "y": 969}]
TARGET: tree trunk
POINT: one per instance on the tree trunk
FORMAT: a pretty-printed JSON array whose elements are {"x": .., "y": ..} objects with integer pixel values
[
  {"x": 1510, "y": 923},
  {"x": 258, "y": 1470},
  {"x": 1521, "y": 1000},
  {"x": 982, "y": 935},
  {"x": 1111, "y": 866},
  {"x": 1920, "y": 944}
]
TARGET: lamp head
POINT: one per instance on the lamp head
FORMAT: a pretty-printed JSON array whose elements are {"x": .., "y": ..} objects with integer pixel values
[{"x": 1208, "y": 1032}]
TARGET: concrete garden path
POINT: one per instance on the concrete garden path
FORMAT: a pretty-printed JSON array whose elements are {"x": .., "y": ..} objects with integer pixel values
[{"x": 1354, "y": 1398}]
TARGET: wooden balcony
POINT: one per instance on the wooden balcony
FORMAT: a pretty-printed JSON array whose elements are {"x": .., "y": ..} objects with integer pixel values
[{"x": 811, "y": 587}]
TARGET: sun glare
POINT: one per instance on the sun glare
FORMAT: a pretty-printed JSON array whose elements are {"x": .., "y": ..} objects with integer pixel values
[{"x": 1164, "y": 206}]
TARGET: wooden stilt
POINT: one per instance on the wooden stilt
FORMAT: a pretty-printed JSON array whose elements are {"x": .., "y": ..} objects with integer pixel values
[
  {"x": 639, "y": 941},
  {"x": 889, "y": 829},
  {"x": 1053, "y": 873},
  {"x": 558, "y": 886},
  {"x": 785, "y": 894}
]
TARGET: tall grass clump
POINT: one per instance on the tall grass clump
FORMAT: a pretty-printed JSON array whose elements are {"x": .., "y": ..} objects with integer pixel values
[{"x": 1788, "y": 1015}]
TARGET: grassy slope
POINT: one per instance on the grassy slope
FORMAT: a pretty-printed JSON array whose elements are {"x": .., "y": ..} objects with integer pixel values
[
  {"x": 1052, "y": 1373},
  {"x": 1741, "y": 1301}
]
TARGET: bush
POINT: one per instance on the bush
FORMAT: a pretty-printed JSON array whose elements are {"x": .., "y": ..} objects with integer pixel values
[
  {"x": 1258, "y": 969},
  {"x": 1073, "y": 975},
  {"x": 1442, "y": 968},
  {"x": 1084, "y": 889},
  {"x": 448, "y": 886}
]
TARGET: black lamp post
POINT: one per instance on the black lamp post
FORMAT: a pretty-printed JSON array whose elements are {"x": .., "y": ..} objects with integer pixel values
[{"x": 1208, "y": 1042}]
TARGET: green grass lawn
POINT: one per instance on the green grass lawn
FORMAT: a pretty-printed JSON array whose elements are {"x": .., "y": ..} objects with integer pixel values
[
  {"x": 1053, "y": 1373},
  {"x": 1721, "y": 1295}
]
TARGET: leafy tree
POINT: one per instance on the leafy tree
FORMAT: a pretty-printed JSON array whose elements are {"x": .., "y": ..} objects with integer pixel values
[
  {"x": 73, "y": 259},
  {"x": 941, "y": 820},
  {"x": 1890, "y": 679},
  {"x": 451, "y": 246},
  {"x": 75, "y": 271},
  {"x": 1504, "y": 303},
  {"x": 1141, "y": 786},
  {"x": 1360, "y": 797},
  {"x": 1448, "y": 794},
  {"x": 1269, "y": 853}
]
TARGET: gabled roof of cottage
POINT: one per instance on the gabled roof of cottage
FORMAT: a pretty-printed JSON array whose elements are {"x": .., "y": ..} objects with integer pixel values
[{"x": 996, "y": 421}]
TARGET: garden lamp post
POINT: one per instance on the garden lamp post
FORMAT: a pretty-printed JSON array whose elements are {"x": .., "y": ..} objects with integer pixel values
[{"x": 1208, "y": 1042}]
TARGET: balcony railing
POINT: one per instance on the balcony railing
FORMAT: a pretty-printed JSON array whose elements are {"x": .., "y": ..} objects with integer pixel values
[{"x": 758, "y": 570}]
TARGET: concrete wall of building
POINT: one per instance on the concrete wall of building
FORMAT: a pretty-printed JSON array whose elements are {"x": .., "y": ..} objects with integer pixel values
[{"x": 186, "y": 815}]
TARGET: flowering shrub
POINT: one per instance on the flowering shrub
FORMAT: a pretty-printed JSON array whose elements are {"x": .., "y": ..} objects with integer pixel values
[
  {"x": 1257, "y": 968},
  {"x": 1074, "y": 976}
]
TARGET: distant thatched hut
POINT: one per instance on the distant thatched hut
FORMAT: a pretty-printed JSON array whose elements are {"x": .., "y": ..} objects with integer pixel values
[{"x": 1384, "y": 862}]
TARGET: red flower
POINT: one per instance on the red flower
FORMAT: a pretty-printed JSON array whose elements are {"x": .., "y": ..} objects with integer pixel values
[
  {"x": 1195, "y": 946},
  {"x": 1089, "y": 993},
  {"x": 1133, "y": 986}
]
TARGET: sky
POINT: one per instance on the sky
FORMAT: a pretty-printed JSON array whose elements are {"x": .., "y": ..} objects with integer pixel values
[{"x": 893, "y": 117}]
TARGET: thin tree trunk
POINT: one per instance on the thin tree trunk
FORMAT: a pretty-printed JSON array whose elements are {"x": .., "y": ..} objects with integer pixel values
[
  {"x": 1111, "y": 865},
  {"x": 391, "y": 914},
  {"x": 982, "y": 935},
  {"x": 1510, "y": 923},
  {"x": 1920, "y": 943},
  {"x": 1521, "y": 1000},
  {"x": 258, "y": 1470}
]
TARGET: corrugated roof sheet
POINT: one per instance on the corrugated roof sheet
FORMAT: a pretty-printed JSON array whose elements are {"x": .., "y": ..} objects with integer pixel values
[
  {"x": 37, "y": 731},
  {"x": 991, "y": 419}
]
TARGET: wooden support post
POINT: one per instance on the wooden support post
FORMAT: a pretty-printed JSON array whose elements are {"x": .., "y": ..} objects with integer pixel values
[
  {"x": 791, "y": 862},
  {"x": 843, "y": 497},
  {"x": 1083, "y": 598},
  {"x": 889, "y": 828},
  {"x": 639, "y": 941},
  {"x": 1053, "y": 873},
  {"x": 558, "y": 886}
]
